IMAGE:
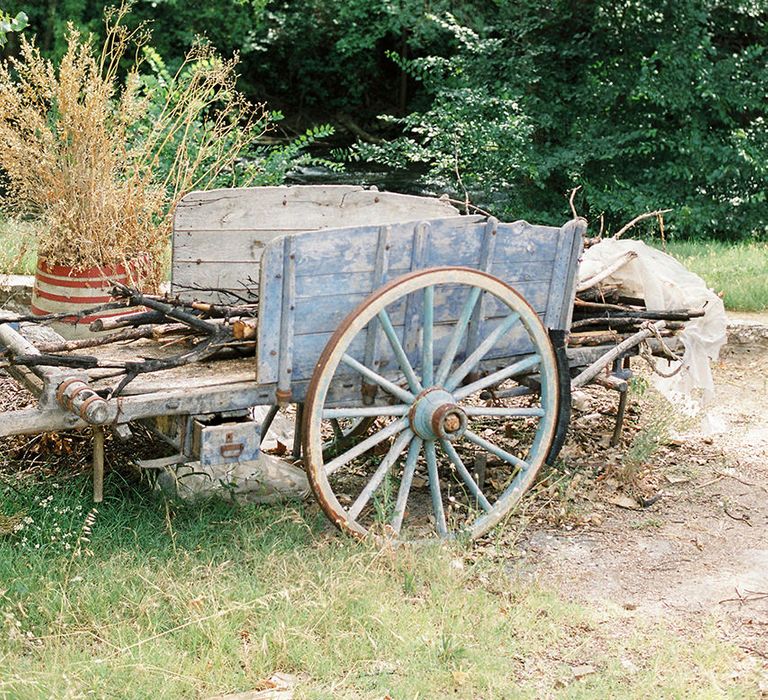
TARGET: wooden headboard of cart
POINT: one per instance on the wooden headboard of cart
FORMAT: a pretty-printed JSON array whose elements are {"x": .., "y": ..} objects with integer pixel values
[
  {"x": 219, "y": 236},
  {"x": 312, "y": 280}
]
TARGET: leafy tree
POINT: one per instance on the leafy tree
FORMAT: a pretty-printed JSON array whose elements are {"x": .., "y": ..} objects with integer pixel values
[{"x": 647, "y": 104}]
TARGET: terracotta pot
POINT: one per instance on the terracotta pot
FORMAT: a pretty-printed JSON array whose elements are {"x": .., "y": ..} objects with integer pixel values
[{"x": 59, "y": 288}]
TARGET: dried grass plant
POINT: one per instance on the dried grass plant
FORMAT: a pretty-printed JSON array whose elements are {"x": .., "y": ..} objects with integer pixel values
[{"x": 100, "y": 158}]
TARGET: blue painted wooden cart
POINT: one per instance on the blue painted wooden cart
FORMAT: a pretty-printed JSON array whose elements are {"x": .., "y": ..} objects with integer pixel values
[{"x": 424, "y": 350}]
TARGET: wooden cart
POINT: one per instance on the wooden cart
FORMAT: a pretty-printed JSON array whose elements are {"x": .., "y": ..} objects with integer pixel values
[{"x": 424, "y": 351}]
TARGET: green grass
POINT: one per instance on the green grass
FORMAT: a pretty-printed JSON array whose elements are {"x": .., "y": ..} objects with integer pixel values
[
  {"x": 158, "y": 600},
  {"x": 738, "y": 270},
  {"x": 17, "y": 247}
]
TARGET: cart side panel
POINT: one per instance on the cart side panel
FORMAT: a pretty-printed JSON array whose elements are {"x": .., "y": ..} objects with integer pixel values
[
  {"x": 336, "y": 270},
  {"x": 219, "y": 236}
]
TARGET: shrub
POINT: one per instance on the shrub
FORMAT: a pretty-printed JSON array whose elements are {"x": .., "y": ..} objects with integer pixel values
[{"x": 102, "y": 160}]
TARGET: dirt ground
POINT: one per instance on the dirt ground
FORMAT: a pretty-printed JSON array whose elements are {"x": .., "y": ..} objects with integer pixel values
[{"x": 700, "y": 551}]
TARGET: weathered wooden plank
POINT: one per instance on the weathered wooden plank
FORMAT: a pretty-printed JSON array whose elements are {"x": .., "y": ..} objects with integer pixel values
[
  {"x": 287, "y": 319},
  {"x": 373, "y": 334},
  {"x": 223, "y": 246},
  {"x": 242, "y": 277},
  {"x": 302, "y": 208},
  {"x": 310, "y": 346},
  {"x": 325, "y": 314},
  {"x": 487, "y": 250},
  {"x": 268, "y": 332},
  {"x": 238, "y": 277},
  {"x": 563, "y": 289},
  {"x": 321, "y": 257}
]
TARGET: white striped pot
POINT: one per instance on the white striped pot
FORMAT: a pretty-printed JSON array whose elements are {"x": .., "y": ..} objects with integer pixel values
[{"x": 61, "y": 289}]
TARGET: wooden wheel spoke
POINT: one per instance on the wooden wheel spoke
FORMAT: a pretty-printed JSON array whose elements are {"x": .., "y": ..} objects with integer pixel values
[
  {"x": 479, "y": 411},
  {"x": 497, "y": 377},
  {"x": 405, "y": 483},
  {"x": 366, "y": 445},
  {"x": 385, "y": 384},
  {"x": 378, "y": 476},
  {"x": 338, "y": 433},
  {"x": 363, "y": 412},
  {"x": 457, "y": 335},
  {"x": 434, "y": 489},
  {"x": 466, "y": 477},
  {"x": 397, "y": 348},
  {"x": 493, "y": 449},
  {"x": 474, "y": 359}
]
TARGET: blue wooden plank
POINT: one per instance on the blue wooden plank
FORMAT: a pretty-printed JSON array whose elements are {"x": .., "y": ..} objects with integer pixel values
[
  {"x": 487, "y": 251},
  {"x": 307, "y": 347},
  {"x": 270, "y": 307},
  {"x": 422, "y": 239},
  {"x": 287, "y": 320},
  {"x": 563, "y": 288},
  {"x": 325, "y": 314}
]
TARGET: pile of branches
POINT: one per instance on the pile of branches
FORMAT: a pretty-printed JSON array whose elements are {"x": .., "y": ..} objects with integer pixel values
[
  {"x": 211, "y": 329},
  {"x": 602, "y": 316}
]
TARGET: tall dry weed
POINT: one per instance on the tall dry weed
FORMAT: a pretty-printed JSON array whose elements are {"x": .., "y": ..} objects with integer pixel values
[{"x": 102, "y": 160}]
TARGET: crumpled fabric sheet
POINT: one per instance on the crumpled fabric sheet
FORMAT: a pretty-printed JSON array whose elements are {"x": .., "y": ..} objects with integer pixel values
[{"x": 666, "y": 284}]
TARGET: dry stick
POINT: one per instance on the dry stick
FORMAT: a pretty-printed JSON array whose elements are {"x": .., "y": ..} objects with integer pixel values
[
  {"x": 594, "y": 369},
  {"x": 138, "y": 319},
  {"x": 625, "y": 310},
  {"x": 65, "y": 315},
  {"x": 252, "y": 300},
  {"x": 637, "y": 220},
  {"x": 570, "y": 201},
  {"x": 661, "y": 233},
  {"x": 127, "y": 334},
  {"x": 468, "y": 204},
  {"x": 576, "y": 340},
  {"x": 168, "y": 310},
  {"x": 603, "y": 306},
  {"x": 668, "y": 315},
  {"x": 458, "y": 176},
  {"x": 199, "y": 352},
  {"x": 607, "y": 272}
]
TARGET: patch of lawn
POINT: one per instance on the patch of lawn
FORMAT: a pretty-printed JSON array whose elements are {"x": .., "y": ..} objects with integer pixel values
[
  {"x": 160, "y": 600},
  {"x": 18, "y": 243},
  {"x": 738, "y": 270}
]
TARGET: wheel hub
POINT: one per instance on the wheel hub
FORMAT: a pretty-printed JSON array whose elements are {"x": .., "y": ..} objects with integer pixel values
[{"x": 436, "y": 416}]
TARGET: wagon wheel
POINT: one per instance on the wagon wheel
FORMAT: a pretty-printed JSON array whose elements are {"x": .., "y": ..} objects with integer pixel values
[{"x": 441, "y": 460}]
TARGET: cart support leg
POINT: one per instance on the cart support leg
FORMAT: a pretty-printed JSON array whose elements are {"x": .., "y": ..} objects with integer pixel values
[
  {"x": 617, "y": 428},
  {"x": 297, "y": 436},
  {"x": 98, "y": 464}
]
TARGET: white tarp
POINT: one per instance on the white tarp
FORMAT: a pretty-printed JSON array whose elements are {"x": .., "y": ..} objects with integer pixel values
[{"x": 666, "y": 284}]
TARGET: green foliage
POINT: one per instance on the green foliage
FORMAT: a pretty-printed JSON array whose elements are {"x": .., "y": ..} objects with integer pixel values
[
  {"x": 270, "y": 165},
  {"x": 256, "y": 164},
  {"x": 646, "y": 104},
  {"x": 10, "y": 24},
  {"x": 473, "y": 136},
  {"x": 332, "y": 55}
]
